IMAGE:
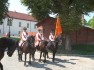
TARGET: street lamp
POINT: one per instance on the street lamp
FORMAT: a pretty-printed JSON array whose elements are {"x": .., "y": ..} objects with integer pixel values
[{"x": 9, "y": 23}]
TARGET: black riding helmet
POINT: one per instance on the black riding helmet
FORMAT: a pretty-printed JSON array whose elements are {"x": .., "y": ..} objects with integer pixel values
[{"x": 24, "y": 28}]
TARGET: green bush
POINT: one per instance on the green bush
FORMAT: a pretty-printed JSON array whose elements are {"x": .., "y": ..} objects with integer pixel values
[{"x": 83, "y": 49}]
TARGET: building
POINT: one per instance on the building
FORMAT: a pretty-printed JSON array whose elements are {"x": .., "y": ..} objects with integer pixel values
[
  {"x": 47, "y": 25},
  {"x": 15, "y": 21},
  {"x": 84, "y": 36}
]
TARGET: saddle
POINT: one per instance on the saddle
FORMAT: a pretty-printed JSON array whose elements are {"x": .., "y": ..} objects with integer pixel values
[{"x": 22, "y": 44}]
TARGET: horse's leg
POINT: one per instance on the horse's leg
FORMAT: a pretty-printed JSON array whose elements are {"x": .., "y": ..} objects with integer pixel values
[
  {"x": 19, "y": 54},
  {"x": 25, "y": 60},
  {"x": 1, "y": 66},
  {"x": 53, "y": 56},
  {"x": 29, "y": 58},
  {"x": 45, "y": 57},
  {"x": 47, "y": 54},
  {"x": 33, "y": 58},
  {"x": 40, "y": 56}
]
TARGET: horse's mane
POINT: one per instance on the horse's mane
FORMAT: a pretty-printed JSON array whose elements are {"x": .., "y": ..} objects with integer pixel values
[{"x": 29, "y": 37}]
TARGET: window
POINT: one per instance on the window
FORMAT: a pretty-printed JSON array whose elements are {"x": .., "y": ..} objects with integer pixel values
[
  {"x": 19, "y": 32},
  {"x": 9, "y": 22},
  {"x": 27, "y": 25},
  {"x": 35, "y": 26},
  {"x": 19, "y": 24},
  {"x": 0, "y": 31}
]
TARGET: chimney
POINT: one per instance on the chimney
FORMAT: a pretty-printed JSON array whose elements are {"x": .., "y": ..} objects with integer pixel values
[{"x": 82, "y": 19}]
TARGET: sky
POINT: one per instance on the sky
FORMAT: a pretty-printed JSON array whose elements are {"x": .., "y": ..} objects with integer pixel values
[
  {"x": 89, "y": 16},
  {"x": 15, "y": 5}
]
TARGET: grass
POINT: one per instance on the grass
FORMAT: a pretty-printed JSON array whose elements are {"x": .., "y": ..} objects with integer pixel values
[
  {"x": 15, "y": 38},
  {"x": 82, "y": 49}
]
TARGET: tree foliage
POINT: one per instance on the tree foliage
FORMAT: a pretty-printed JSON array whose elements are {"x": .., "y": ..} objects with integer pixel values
[
  {"x": 91, "y": 22},
  {"x": 3, "y": 9},
  {"x": 86, "y": 23},
  {"x": 69, "y": 11}
]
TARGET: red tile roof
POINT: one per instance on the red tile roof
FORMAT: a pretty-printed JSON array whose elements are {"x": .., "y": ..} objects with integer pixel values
[{"x": 21, "y": 16}]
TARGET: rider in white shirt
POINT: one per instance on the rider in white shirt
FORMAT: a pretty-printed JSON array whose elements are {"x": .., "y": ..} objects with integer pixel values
[
  {"x": 24, "y": 36},
  {"x": 39, "y": 38},
  {"x": 51, "y": 39}
]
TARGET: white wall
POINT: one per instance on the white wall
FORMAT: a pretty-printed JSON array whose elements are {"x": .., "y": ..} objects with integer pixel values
[{"x": 14, "y": 29}]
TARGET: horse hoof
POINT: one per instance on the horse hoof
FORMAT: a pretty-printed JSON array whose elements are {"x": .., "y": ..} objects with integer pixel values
[
  {"x": 20, "y": 60},
  {"x": 25, "y": 65},
  {"x": 29, "y": 62},
  {"x": 33, "y": 59},
  {"x": 44, "y": 61},
  {"x": 39, "y": 60},
  {"x": 47, "y": 56},
  {"x": 52, "y": 60}
]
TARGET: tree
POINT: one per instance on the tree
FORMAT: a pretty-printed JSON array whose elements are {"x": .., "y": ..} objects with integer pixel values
[
  {"x": 85, "y": 22},
  {"x": 69, "y": 11},
  {"x": 3, "y": 9},
  {"x": 91, "y": 22}
]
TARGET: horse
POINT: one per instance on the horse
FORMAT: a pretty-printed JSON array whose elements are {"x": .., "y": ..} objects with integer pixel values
[
  {"x": 54, "y": 47},
  {"x": 27, "y": 49},
  {"x": 48, "y": 45},
  {"x": 42, "y": 49},
  {"x": 9, "y": 44}
]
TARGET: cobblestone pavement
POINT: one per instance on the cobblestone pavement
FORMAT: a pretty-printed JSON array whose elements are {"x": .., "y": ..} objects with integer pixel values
[{"x": 61, "y": 63}]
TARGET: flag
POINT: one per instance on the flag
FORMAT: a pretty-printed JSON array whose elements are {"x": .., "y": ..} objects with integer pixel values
[{"x": 58, "y": 28}]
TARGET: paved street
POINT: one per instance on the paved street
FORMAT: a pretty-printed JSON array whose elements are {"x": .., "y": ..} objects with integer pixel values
[{"x": 61, "y": 63}]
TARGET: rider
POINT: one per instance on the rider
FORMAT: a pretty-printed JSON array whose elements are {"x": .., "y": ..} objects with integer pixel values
[
  {"x": 24, "y": 36},
  {"x": 39, "y": 38},
  {"x": 52, "y": 37}
]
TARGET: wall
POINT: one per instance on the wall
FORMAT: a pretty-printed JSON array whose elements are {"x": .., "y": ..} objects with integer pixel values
[
  {"x": 83, "y": 36},
  {"x": 14, "y": 29}
]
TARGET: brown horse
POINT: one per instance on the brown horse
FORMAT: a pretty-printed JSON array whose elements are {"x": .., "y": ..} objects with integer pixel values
[
  {"x": 10, "y": 45},
  {"x": 42, "y": 49},
  {"x": 27, "y": 47},
  {"x": 53, "y": 46},
  {"x": 48, "y": 45}
]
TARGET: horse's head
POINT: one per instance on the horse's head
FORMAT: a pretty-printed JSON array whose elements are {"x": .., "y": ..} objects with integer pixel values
[
  {"x": 11, "y": 47},
  {"x": 31, "y": 40}
]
